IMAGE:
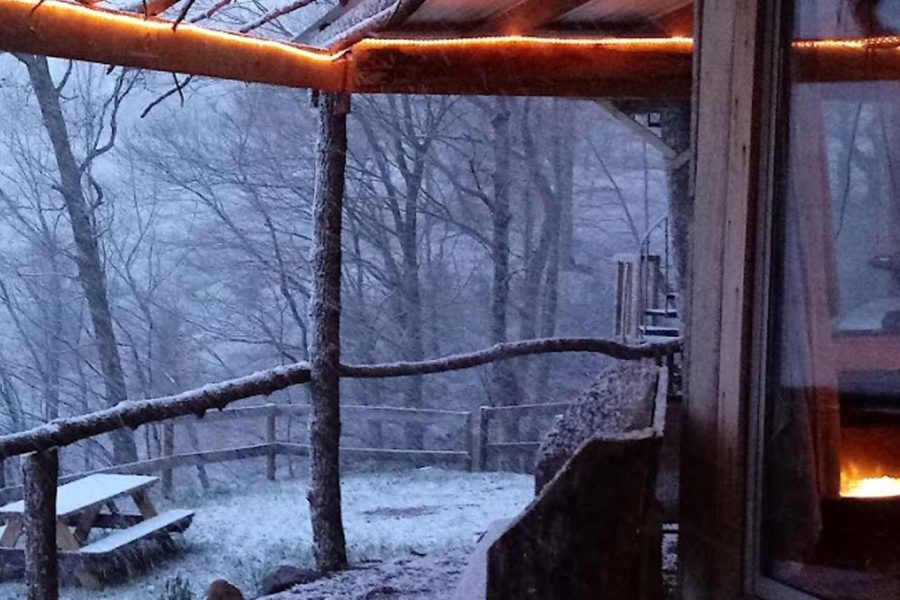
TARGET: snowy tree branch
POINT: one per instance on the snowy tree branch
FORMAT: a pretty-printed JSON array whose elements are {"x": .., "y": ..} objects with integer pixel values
[
  {"x": 512, "y": 350},
  {"x": 131, "y": 414}
]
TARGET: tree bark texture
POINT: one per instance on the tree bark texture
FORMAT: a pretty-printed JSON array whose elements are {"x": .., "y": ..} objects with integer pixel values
[
  {"x": 676, "y": 133},
  {"x": 90, "y": 268},
  {"x": 325, "y": 348},
  {"x": 41, "y": 470}
]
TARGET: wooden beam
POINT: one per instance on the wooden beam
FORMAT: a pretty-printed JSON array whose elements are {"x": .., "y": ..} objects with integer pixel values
[
  {"x": 639, "y": 129},
  {"x": 677, "y": 22},
  {"x": 521, "y": 66},
  {"x": 528, "y": 15},
  {"x": 77, "y": 32}
]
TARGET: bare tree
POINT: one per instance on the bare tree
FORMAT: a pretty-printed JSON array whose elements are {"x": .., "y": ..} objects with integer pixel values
[{"x": 90, "y": 268}]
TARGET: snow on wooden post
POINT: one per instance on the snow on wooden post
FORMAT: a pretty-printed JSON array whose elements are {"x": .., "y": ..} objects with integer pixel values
[
  {"x": 41, "y": 470},
  {"x": 270, "y": 440},
  {"x": 325, "y": 345},
  {"x": 168, "y": 449}
]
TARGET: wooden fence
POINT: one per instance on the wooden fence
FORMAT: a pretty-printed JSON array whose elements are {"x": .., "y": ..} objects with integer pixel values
[
  {"x": 39, "y": 447},
  {"x": 481, "y": 445}
]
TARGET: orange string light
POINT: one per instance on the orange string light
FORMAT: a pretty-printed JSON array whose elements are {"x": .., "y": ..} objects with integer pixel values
[
  {"x": 683, "y": 44},
  {"x": 161, "y": 27}
]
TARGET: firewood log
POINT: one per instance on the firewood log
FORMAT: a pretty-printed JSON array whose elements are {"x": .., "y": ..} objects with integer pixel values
[{"x": 222, "y": 590}]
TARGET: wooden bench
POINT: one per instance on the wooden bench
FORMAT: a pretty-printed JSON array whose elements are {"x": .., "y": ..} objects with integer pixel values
[{"x": 80, "y": 507}]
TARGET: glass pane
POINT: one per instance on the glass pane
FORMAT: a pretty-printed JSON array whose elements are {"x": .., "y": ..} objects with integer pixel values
[{"x": 831, "y": 513}]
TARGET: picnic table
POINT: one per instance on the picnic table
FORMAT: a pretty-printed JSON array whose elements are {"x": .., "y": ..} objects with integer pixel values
[{"x": 92, "y": 503}]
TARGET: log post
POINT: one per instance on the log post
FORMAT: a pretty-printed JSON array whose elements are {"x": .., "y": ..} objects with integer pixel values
[
  {"x": 168, "y": 449},
  {"x": 481, "y": 438},
  {"x": 270, "y": 440},
  {"x": 325, "y": 344},
  {"x": 471, "y": 441},
  {"x": 41, "y": 471}
]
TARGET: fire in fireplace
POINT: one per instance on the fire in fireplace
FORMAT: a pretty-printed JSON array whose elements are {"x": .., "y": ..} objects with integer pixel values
[{"x": 856, "y": 485}]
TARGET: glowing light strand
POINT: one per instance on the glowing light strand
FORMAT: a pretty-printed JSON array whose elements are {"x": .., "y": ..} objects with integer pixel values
[
  {"x": 161, "y": 26},
  {"x": 679, "y": 43}
]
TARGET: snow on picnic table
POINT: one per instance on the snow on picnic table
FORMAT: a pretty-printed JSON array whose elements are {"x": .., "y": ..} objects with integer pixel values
[{"x": 411, "y": 527}]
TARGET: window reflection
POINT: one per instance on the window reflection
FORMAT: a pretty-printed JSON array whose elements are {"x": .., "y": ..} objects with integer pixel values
[{"x": 831, "y": 514}]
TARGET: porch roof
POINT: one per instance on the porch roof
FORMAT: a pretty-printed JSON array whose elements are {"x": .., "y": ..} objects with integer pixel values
[
  {"x": 615, "y": 49},
  {"x": 591, "y": 48},
  {"x": 355, "y": 19}
]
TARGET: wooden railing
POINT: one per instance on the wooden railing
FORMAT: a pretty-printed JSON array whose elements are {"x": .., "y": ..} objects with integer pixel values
[
  {"x": 480, "y": 448},
  {"x": 40, "y": 446}
]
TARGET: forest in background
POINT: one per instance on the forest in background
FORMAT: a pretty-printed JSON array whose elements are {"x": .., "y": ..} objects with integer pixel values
[{"x": 467, "y": 221}]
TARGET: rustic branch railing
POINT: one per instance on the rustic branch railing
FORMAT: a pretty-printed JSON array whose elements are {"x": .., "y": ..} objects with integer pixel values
[
  {"x": 42, "y": 443},
  {"x": 132, "y": 414},
  {"x": 475, "y": 426},
  {"x": 273, "y": 446}
]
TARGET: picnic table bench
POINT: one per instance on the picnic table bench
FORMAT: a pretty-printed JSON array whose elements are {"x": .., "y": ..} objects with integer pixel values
[{"x": 91, "y": 503}]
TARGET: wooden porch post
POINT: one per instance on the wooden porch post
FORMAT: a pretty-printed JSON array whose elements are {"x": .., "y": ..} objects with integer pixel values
[
  {"x": 325, "y": 345},
  {"x": 270, "y": 440},
  {"x": 168, "y": 449},
  {"x": 733, "y": 74},
  {"x": 41, "y": 470}
]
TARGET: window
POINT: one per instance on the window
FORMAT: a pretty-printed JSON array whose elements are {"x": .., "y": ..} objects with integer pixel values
[{"x": 830, "y": 490}]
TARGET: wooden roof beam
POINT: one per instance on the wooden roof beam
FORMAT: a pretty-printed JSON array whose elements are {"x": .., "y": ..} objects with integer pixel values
[
  {"x": 68, "y": 30},
  {"x": 678, "y": 22},
  {"x": 657, "y": 69},
  {"x": 527, "y": 16}
]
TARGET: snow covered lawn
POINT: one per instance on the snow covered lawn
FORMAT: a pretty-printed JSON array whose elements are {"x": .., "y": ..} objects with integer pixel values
[{"x": 408, "y": 528}]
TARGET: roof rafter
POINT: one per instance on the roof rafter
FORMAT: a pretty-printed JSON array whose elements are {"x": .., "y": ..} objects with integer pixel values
[
  {"x": 528, "y": 16},
  {"x": 347, "y": 24},
  {"x": 677, "y": 22}
]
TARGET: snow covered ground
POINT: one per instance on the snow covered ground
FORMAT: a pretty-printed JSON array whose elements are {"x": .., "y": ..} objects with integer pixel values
[{"x": 408, "y": 535}]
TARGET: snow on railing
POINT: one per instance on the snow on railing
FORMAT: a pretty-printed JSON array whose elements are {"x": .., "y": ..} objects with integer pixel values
[{"x": 131, "y": 414}]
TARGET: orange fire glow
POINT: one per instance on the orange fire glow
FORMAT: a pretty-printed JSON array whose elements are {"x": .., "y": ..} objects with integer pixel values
[{"x": 860, "y": 483}]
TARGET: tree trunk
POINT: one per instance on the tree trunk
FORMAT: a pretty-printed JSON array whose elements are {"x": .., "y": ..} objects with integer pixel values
[
  {"x": 537, "y": 257},
  {"x": 90, "y": 268},
  {"x": 325, "y": 348},
  {"x": 549, "y": 312},
  {"x": 676, "y": 133},
  {"x": 412, "y": 300},
  {"x": 504, "y": 385},
  {"x": 560, "y": 236},
  {"x": 41, "y": 567},
  {"x": 564, "y": 173}
]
